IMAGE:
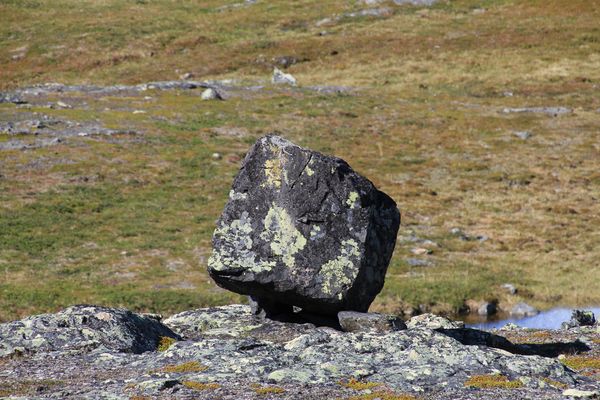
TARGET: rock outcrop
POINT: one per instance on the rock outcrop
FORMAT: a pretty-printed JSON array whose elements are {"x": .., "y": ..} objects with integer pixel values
[
  {"x": 229, "y": 353},
  {"x": 83, "y": 327},
  {"x": 303, "y": 229}
]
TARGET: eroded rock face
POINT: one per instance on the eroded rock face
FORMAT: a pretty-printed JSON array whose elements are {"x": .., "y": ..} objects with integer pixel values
[
  {"x": 303, "y": 229},
  {"x": 82, "y": 327}
]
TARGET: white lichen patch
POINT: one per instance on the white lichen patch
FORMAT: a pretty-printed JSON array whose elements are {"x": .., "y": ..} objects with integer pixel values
[
  {"x": 233, "y": 195},
  {"x": 236, "y": 249},
  {"x": 316, "y": 232},
  {"x": 338, "y": 274},
  {"x": 280, "y": 232},
  {"x": 352, "y": 200}
]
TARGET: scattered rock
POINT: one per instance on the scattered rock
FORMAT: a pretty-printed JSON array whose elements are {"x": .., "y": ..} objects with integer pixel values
[
  {"x": 352, "y": 321},
  {"x": 415, "y": 262},
  {"x": 522, "y": 134},
  {"x": 211, "y": 94},
  {"x": 303, "y": 229},
  {"x": 523, "y": 310},
  {"x": 280, "y": 77},
  {"x": 216, "y": 156},
  {"x": 370, "y": 12},
  {"x": 466, "y": 237},
  {"x": 83, "y": 328},
  {"x": 484, "y": 308},
  {"x": 426, "y": 3},
  {"x": 186, "y": 76},
  {"x": 581, "y": 394},
  {"x": 510, "y": 288},
  {"x": 432, "y": 321},
  {"x": 580, "y": 318},
  {"x": 419, "y": 251},
  {"x": 21, "y": 145},
  {"x": 11, "y": 98},
  {"x": 285, "y": 61},
  {"x": 61, "y": 104},
  {"x": 550, "y": 111}
]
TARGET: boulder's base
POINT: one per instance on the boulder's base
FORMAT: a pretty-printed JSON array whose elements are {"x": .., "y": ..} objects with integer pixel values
[{"x": 230, "y": 353}]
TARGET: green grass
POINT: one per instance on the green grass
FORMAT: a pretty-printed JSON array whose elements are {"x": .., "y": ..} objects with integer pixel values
[{"x": 129, "y": 222}]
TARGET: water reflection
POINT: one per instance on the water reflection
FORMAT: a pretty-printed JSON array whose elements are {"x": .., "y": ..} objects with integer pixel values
[{"x": 550, "y": 319}]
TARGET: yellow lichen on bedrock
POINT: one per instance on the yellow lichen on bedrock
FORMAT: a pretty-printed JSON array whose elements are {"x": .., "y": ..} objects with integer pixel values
[{"x": 280, "y": 232}]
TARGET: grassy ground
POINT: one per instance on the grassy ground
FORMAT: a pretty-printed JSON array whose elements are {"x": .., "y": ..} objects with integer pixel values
[{"x": 128, "y": 222}]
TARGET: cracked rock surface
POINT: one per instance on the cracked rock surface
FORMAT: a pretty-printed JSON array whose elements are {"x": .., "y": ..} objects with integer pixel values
[{"x": 226, "y": 352}]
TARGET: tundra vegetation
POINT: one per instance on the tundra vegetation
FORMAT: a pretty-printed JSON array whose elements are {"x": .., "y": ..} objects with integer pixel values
[{"x": 127, "y": 219}]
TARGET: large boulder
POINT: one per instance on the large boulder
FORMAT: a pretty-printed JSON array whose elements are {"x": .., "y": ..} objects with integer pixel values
[{"x": 303, "y": 229}]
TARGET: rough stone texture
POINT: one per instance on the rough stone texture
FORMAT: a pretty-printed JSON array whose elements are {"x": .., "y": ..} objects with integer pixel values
[
  {"x": 82, "y": 327},
  {"x": 229, "y": 347},
  {"x": 550, "y": 111},
  {"x": 580, "y": 318},
  {"x": 281, "y": 77},
  {"x": 352, "y": 321},
  {"x": 303, "y": 229}
]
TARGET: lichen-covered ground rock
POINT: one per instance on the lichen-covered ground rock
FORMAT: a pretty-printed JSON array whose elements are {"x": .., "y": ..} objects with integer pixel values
[
  {"x": 303, "y": 229},
  {"x": 235, "y": 355},
  {"x": 83, "y": 327}
]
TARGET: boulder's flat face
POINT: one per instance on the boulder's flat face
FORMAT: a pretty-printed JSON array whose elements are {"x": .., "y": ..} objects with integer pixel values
[{"x": 302, "y": 228}]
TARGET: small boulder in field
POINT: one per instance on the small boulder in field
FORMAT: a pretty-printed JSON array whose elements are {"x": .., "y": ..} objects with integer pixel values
[{"x": 303, "y": 229}]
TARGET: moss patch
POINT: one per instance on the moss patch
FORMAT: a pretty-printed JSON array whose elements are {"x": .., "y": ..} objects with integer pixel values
[
  {"x": 200, "y": 386},
  {"x": 492, "y": 381},
  {"x": 191, "y": 366},
  {"x": 165, "y": 342},
  {"x": 266, "y": 390}
]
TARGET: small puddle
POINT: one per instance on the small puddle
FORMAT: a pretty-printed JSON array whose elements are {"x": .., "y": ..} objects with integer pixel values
[{"x": 550, "y": 319}]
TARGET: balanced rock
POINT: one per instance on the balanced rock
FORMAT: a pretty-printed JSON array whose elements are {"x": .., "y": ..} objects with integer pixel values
[{"x": 303, "y": 229}]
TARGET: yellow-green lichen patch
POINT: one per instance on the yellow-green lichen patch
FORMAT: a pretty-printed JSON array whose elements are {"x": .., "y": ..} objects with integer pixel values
[
  {"x": 165, "y": 342},
  {"x": 273, "y": 172},
  {"x": 236, "y": 250},
  {"x": 266, "y": 390},
  {"x": 280, "y": 232},
  {"x": 338, "y": 274},
  {"x": 200, "y": 386},
  {"x": 190, "y": 366},
  {"x": 315, "y": 231},
  {"x": 352, "y": 200},
  {"x": 492, "y": 381}
]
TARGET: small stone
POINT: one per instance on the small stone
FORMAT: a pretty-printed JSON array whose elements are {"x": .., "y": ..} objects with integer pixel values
[
  {"x": 581, "y": 394},
  {"x": 139, "y": 112},
  {"x": 62, "y": 104},
  {"x": 522, "y": 134},
  {"x": 415, "y": 262},
  {"x": 211, "y": 94},
  {"x": 281, "y": 77},
  {"x": 186, "y": 76},
  {"x": 285, "y": 61},
  {"x": 352, "y": 321},
  {"x": 431, "y": 321},
  {"x": 523, "y": 310},
  {"x": 216, "y": 156},
  {"x": 510, "y": 288},
  {"x": 419, "y": 251}
]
